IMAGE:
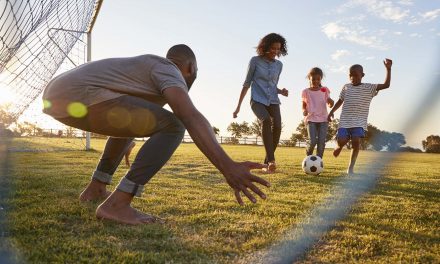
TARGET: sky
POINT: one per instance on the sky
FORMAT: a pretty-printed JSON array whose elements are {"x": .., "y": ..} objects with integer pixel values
[{"x": 331, "y": 35}]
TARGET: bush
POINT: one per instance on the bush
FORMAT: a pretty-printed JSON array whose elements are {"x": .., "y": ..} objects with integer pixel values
[
  {"x": 288, "y": 143},
  {"x": 6, "y": 133},
  {"x": 231, "y": 140},
  {"x": 409, "y": 149}
]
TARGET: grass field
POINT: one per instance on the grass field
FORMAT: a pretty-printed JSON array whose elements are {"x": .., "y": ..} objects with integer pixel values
[{"x": 397, "y": 221}]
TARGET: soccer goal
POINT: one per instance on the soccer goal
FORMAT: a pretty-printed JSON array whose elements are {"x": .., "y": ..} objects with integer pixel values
[{"x": 38, "y": 40}]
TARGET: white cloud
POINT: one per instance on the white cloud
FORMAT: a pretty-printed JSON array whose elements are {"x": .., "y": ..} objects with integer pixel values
[
  {"x": 395, "y": 11},
  {"x": 333, "y": 30},
  {"x": 339, "y": 53},
  {"x": 414, "y": 21},
  {"x": 431, "y": 15},
  {"x": 370, "y": 58},
  {"x": 357, "y": 34},
  {"x": 398, "y": 33},
  {"x": 383, "y": 9},
  {"x": 406, "y": 2},
  {"x": 415, "y": 35},
  {"x": 424, "y": 17}
]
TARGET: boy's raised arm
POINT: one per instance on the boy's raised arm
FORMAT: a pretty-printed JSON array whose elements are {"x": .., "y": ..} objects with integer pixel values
[{"x": 388, "y": 63}]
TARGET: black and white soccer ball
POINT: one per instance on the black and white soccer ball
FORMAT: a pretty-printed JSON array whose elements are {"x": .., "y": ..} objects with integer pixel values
[{"x": 313, "y": 165}]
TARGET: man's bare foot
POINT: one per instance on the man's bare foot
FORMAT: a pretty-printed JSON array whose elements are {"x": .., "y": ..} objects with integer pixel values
[
  {"x": 95, "y": 190},
  {"x": 125, "y": 215},
  {"x": 337, "y": 151},
  {"x": 117, "y": 208},
  {"x": 350, "y": 172}
]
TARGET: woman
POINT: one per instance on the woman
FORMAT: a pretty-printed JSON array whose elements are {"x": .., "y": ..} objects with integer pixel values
[{"x": 262, "y": 76}]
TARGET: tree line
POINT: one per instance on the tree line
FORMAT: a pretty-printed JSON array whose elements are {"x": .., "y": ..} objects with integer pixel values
[{"x": 376, "y": 139}]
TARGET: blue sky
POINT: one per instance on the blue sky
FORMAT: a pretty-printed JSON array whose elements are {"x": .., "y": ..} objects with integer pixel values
[{"x": 329, "y": 34}]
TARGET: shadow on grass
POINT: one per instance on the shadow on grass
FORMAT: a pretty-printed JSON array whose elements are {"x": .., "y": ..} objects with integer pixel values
[
  {"x": 8, "y": 254},
  {"x": 409, "y": 188},
  {"x": 403, "y": 234},
  {"x": 51, "y": 225}
]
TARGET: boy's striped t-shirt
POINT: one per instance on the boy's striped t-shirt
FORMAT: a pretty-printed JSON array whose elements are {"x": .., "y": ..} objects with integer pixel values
[{"x": 356, "y": 104}]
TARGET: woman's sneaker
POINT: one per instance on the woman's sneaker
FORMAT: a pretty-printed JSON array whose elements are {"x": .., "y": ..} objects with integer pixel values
[{"x": 271, "y": 167}]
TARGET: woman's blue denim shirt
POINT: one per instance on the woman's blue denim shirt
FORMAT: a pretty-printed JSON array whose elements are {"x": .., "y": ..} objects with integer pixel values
[{"x": 262, "y": 76}]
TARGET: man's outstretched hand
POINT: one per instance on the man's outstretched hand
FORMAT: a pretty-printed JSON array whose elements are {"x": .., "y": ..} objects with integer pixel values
[{"x": 239, "y": 177}]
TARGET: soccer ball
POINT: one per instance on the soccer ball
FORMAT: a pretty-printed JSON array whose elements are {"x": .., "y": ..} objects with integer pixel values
[{"x": 313, "y": 165}]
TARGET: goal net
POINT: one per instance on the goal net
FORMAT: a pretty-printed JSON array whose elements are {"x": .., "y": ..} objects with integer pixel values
[{"x": 39, "y": 39}]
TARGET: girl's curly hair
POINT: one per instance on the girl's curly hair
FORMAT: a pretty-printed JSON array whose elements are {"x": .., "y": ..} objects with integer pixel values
[{"x": 268, "y": 40}]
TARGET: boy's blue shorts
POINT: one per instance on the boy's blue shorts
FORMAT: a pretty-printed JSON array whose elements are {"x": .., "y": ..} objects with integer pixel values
[{"x": 350, "y": 132}]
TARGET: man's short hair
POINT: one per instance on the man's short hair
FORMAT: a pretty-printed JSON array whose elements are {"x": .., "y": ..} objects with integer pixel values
[{"x": 180, "y": 52}]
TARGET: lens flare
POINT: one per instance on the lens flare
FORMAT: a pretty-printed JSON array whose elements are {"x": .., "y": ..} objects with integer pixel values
[{"x": 77, "y": 109}]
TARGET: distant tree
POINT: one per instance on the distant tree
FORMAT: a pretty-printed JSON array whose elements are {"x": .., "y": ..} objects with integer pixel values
[
  {"x": 28, "y": 129},
  {"x": 231, "y": 140},
  {"x": 37, "y": 131},
  {"x": 332, "y": 129},
  {"x": 6, "y": 120},
  {"x": 409, "y": 149},
  {"x": 216, "y": 130},
  {"x": 380, "y": 139},
  {"x": 293, "y": 140},
  {"x": 25, "y": 128},
  {"x": 70, "y": 132},
  {"x": 235, "y": 129},
  {"x": 256, "y": 128},
  {"x": 393, "y": 141},
  {"x": 301, "y": 130},
  {"x": 431, "y": 144},
  {"x": 239, "y": 130},
  {"x": 373, "y": 138},
  {"x": 302, "y": 135}
]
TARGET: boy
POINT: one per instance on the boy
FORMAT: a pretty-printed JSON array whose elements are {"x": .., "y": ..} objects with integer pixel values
[{"x": 355, "y": 99}]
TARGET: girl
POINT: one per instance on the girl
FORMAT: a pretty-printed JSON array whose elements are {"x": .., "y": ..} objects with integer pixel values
[
  {"x": 314, "y": 100},
  {"x": 262, "y": 77}
]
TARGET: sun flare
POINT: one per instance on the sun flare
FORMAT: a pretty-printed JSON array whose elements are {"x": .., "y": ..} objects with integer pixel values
[{"x": 6, "y": 95}]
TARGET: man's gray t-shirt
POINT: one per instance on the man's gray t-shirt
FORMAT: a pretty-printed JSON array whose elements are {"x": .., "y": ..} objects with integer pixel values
[{"x": 145, "y": 76}]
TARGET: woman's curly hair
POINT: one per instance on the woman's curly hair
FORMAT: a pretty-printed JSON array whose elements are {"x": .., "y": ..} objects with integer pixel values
[{"x": 268, "y": 40}]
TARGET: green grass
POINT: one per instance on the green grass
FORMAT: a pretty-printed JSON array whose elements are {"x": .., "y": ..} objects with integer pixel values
[{"x": 398, "y": 221}]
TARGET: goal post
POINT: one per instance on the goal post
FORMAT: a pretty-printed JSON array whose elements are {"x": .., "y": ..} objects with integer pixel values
[
  {"x": 89, "y": 58},
  {"x": 38, "y": 39},
  {"x": 89, "y": 52}
]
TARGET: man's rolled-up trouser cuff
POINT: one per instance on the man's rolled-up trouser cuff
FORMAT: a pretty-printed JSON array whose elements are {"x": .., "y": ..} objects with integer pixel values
[
  {"x": 125, "y": 185},
  {"x": 102, "y": 177}
]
